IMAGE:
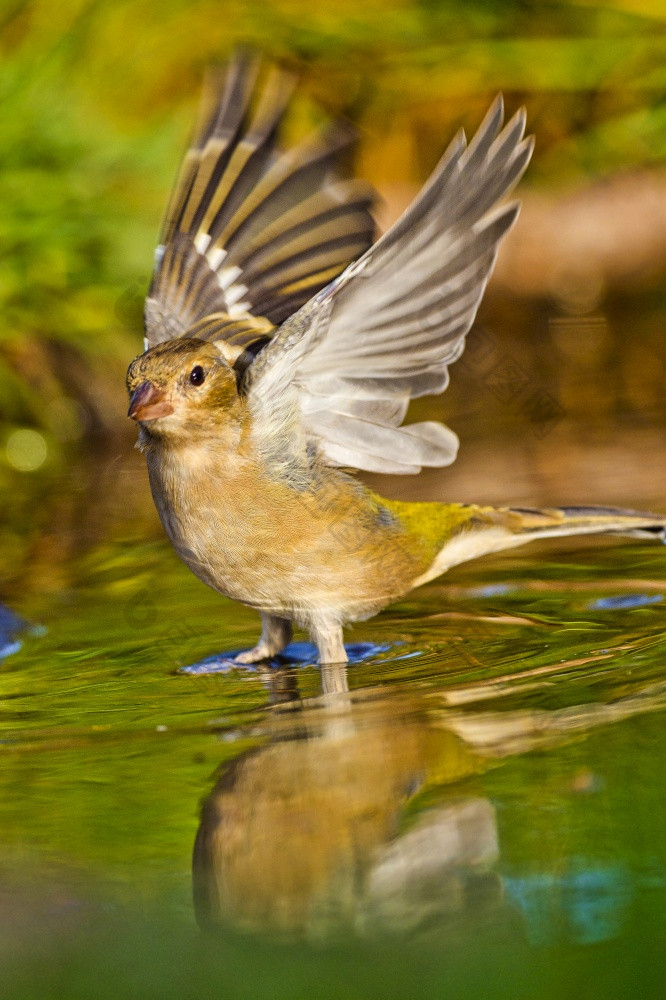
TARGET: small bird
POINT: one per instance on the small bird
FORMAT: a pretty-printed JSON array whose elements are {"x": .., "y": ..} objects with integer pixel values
[{"x": 282, "y": 349}]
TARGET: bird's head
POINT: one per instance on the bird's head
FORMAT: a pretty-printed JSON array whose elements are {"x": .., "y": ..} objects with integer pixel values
[{"x": 181, "y": 387}]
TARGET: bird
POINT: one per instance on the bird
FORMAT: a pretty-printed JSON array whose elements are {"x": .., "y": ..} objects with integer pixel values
[{"x": 283, "y": 344}]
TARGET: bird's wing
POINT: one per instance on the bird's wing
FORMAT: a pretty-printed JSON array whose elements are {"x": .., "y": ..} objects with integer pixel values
[
  {"x": 386, "y": 329},
  {"x": 252, "y": 231}
]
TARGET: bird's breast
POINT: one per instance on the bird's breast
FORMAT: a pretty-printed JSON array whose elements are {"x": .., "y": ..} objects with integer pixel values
[
  {"x": 209, "y": 512},
  {"x": 267, "y": 544}
]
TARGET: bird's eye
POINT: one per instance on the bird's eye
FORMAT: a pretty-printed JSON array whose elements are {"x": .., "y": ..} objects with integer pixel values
[{"x": 197, "y": 375}]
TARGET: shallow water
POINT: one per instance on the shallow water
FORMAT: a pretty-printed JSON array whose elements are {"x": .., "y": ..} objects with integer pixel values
[{"x": 482, "y": 814}]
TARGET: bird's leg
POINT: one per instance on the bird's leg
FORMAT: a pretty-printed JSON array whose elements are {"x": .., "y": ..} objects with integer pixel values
[
  {"x": 334, "y": 678},
  {"x": 328, "y": 640},
  {"x": 275, "y": 635}
]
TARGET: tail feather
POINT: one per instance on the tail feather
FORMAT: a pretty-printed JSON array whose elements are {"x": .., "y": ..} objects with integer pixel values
[
  {"x": 559, "y": 521},
  {"x": 493, "y": 529}
]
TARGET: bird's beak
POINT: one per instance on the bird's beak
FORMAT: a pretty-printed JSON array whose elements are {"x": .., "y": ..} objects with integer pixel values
[{"x": 148, "y": 403}]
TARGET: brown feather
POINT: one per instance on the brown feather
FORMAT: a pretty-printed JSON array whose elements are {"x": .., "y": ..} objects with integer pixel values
[{"x": 250, "y": 229}]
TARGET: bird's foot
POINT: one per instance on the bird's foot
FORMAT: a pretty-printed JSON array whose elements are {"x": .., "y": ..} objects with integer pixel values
[
  {"x": 262, "y": 651},
  {"x": 275, "y": 635}
]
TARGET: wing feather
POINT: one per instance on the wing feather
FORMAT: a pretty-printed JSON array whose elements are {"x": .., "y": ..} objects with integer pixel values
[
  {"x": 389, "y": 326},
  {"x": 252, "y": 230}
]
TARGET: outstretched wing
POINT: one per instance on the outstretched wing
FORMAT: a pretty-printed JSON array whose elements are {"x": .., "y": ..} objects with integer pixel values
[
  {"x": 252, "y": 231},
  {"x": 387, "y": 328}
]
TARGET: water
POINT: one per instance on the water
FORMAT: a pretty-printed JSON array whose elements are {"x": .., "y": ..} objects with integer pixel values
[{"x": 481, "y": 815}]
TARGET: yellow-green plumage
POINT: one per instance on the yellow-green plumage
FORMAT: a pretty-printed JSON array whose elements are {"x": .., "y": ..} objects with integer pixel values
[{"x": 430, "y": 524}]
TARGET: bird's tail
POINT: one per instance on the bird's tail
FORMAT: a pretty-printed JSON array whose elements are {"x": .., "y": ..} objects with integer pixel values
[
  {"x": 552, "y": 521},
  {"x": 492, "y": 529}
]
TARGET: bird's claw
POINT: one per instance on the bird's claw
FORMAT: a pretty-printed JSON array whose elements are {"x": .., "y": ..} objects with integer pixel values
[{"x": 254, "y": 655}]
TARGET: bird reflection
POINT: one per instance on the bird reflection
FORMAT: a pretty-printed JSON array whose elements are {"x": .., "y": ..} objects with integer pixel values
[
  {"x": 365, "y": 813},
  {"x": 311, "y": 833}
]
